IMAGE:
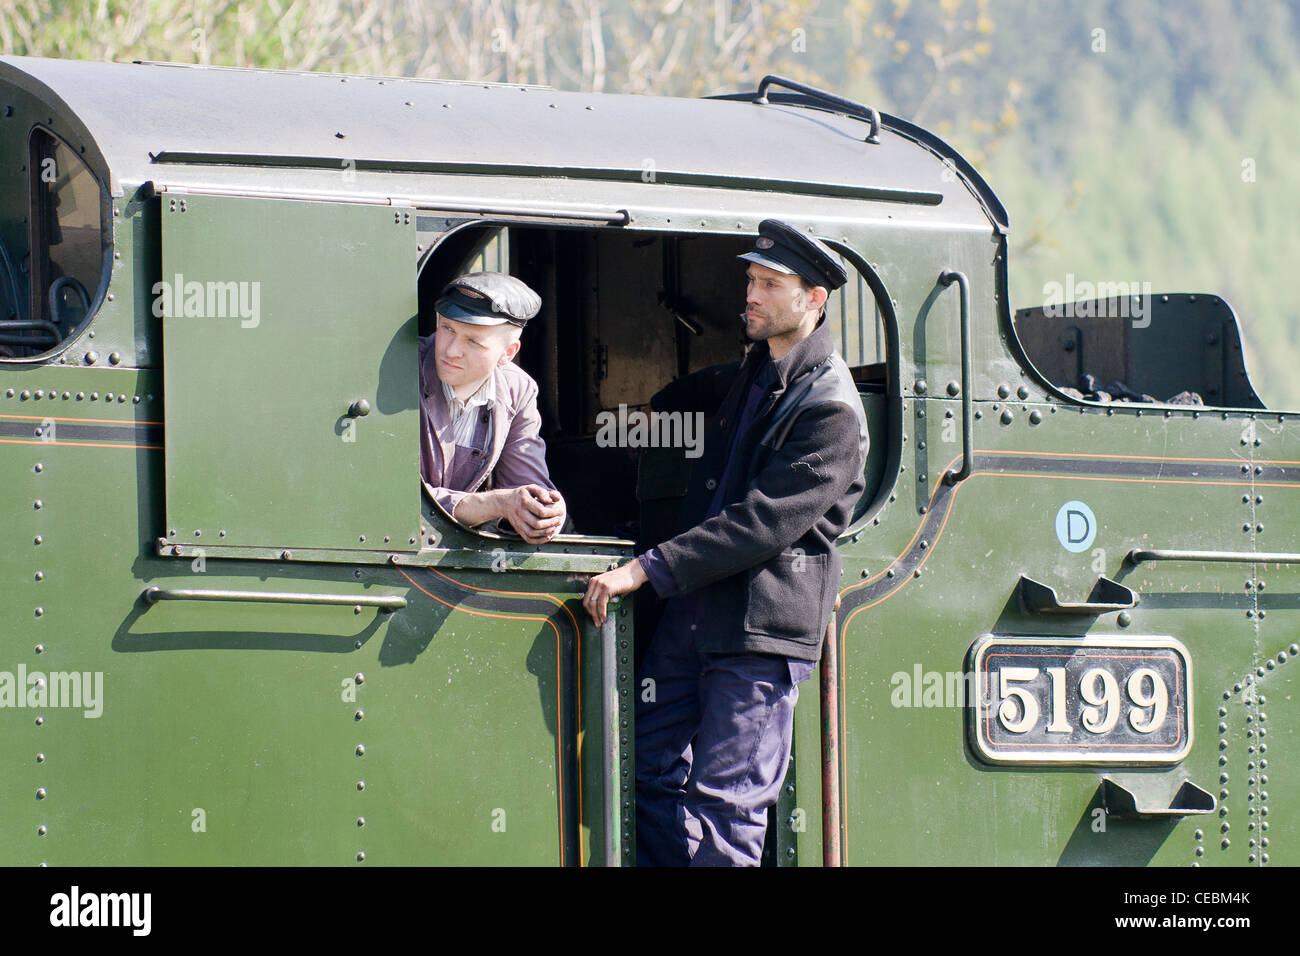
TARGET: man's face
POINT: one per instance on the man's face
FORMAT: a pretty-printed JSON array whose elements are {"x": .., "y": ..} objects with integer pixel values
[
  {"x": 775, "y": 303},
  {"x": 466, "y": 354}
]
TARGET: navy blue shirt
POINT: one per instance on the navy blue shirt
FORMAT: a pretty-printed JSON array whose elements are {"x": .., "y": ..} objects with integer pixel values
[
  {"x": 652, "y": 562},
  {"x": 681, "y": 607}
]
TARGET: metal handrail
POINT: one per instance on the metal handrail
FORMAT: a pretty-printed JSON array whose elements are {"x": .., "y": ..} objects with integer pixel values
[
  {"x": 1138, "y": 555},
  {"x": 9, "y": 328},
  {"x": 609, "y": 739},
  {"x": 852, "y": 108},
  {"x": 389, "y": 602},
  {"x": 832, "y": 823},
  {"x": 947, "y": 278},
  {"x": 56, "y": 290}
]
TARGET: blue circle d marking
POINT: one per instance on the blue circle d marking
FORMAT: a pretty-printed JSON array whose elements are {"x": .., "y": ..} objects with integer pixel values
[{"x": 1076, "y": 526}]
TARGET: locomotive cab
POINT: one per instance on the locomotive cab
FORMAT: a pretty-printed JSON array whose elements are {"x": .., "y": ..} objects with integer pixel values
[
  {"x": 216, "y": 314},
  {"x": 625, "y": 313},
  {"x": 209, "y": 329}
]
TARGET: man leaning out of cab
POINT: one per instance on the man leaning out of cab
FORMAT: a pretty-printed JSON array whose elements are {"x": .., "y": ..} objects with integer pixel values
[{"x": 481, "y": 455}]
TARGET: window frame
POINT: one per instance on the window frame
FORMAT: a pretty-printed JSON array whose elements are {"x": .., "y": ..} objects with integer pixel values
[
  {"x": 879, "y": 320},
  {"x": 37, "y": 243}
]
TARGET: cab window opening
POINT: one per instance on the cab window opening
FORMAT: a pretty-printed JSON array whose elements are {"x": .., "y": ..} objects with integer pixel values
[
  {"x": 70, "y": 251},
  {"x": 624, "y": 314}
]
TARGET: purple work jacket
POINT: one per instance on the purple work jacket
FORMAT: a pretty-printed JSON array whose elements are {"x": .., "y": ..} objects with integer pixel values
[{"x": 517, "y": 455}]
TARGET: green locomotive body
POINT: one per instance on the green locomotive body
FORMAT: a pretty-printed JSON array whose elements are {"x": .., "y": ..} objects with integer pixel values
[{"x": 240, "y": 633}]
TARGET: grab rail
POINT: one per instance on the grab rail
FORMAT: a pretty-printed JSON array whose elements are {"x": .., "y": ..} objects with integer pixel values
[
  {"x": 947, "y": 278},
  {"x": 852, "y": 108},
  {"x": 1138, "y": 555},
  {"x": 389, "y": 602}
]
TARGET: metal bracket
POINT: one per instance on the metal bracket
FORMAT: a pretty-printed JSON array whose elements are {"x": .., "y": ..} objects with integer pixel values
[
  {"x": 1121, "y": 803},
  {"x": 1106, "y": 595}
]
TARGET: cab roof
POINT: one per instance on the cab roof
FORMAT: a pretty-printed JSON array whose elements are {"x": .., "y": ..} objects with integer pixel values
[{"x": 145, "y": 115}]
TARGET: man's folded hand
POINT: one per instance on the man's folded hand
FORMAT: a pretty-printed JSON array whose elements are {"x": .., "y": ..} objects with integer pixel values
[{"x": 536, "y": 513}]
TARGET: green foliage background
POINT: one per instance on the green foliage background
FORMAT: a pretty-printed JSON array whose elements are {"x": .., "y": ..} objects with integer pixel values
[{"x": 1130, "y": 141}]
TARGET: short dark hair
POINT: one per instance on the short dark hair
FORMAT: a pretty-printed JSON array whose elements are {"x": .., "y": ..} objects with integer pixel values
[{"x": 808, "y": 286}]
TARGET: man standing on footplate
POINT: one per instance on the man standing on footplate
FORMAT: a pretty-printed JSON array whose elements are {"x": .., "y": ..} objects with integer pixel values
[{"x": 751, "y": 579}]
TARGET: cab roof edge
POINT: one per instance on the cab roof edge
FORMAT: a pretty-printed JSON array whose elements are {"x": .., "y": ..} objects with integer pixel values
[{"x": 347, "y": 76}]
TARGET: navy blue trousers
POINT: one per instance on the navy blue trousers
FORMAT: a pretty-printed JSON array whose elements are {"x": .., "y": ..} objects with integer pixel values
[{"x": 713, "y": 734}]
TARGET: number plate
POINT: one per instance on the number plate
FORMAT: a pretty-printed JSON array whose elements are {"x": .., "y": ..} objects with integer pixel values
[{"x": 1081, "y": 700}]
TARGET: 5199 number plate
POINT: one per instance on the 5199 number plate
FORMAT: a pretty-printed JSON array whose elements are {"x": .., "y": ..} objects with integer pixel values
[{"x": 1081, "y": 700}]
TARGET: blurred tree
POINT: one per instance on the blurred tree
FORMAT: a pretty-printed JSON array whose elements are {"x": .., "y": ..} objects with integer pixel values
[
  {"x": 686, "y": 47},
  {"x": 1114, "y": 132}
]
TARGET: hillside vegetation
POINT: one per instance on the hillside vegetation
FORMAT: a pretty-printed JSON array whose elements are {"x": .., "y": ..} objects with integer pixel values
[{"x": 1131, "y": 141}]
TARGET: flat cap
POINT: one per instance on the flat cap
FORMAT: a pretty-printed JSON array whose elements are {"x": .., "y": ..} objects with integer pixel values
[
  {"x": 489, "y": 298},
  {"x": 782, "y": 247}
]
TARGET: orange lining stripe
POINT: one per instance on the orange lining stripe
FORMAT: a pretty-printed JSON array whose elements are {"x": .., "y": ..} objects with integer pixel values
[
  {"x": 952, "y": 504},
  {"x": 939, "y": 534},
  {"x": 78, "y": 444},
  {"x": 1108, "y": 457},
  {"x": 559, "y": 764},
  {"x": 1022, "y": 474},
  {"x": 1014, "y": 474},
  {"x": 844, "y": 722},
  {"x": 532, "y": 594},
  {"x": 844, "y": 760},
  {"x": 60, "y": 418},
  {"x": 917, "y": 534},
  {"x": 1161, "y": 481},
  {"x": 582, "y": 850}
]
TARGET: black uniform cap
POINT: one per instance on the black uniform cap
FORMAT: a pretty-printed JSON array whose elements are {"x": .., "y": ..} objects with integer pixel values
[
  {"x": 489, "y": 298},
  {"x": 784, "y": 248}
]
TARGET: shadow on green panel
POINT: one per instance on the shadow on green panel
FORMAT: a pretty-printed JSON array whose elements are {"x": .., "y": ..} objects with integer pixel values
[
  {"x": 410, "y": 631},
  {"x": 127, "y": 643},
  {"x": 1102, "y": 840}
]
